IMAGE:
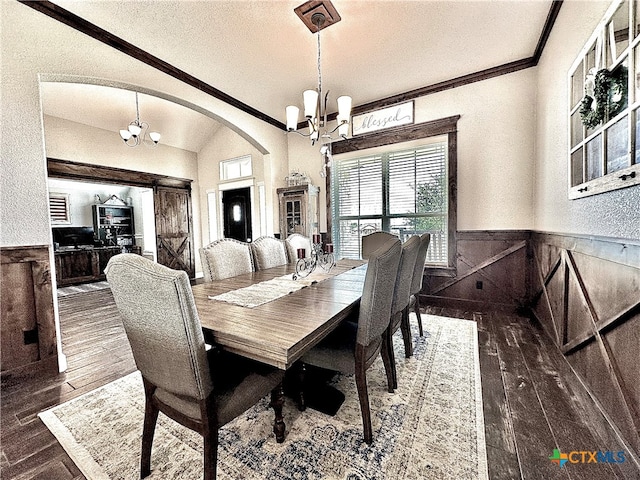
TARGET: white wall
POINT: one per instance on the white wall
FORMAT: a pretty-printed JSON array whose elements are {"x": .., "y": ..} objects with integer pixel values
[
  {"x": 77, "y": 142},
  {"x": 616, "y": 213},
  {"x": 495, "y": 150},
  {"x": 225, "y": 144},
  {"x": 34, "y": 45}
]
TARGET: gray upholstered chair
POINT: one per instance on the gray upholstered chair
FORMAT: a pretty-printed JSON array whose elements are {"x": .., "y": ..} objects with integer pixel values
[
  {"x": 353, "y": 347},
  {"x": 200, "y": 390},
  {"x": 416, "y": 283},
  {"x": 268, "y": 252},
  {"x": 371, "y": 242},
  {"x": 295, "y": 241},
  {"x": 401, "y": 295},
  {"x": 225, "y": 258}
]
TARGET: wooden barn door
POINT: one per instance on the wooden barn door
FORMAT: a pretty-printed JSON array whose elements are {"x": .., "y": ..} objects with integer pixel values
[{"x": 174, "y": 228}]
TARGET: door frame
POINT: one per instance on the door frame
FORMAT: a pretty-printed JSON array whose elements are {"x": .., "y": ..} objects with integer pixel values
[{"x": 256, "y": 210}]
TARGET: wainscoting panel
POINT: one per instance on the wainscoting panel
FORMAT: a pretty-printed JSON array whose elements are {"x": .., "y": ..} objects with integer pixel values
[
  {"x": 586, "y": 294},
  {"x": 491, "y": 271},
  {"x": 28, "y": 321}
]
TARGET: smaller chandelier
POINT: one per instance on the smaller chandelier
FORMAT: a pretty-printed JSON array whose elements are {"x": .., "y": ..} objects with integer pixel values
[
  {"x": 137, "y": 132},
  {"x": 315, "y": 105}
]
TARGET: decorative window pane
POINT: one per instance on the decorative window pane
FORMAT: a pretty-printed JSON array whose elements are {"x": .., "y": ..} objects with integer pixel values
[
  {"x": 577, "y": 168},
  {"x": 576, "y": 129},
  {"x": 577, "y": 85},
  {"x": 617, "y": 145},
  {"x": 618, "y": 31},
  {"x": 59, "y": 208},
  {"x": 594, "y": 158}
]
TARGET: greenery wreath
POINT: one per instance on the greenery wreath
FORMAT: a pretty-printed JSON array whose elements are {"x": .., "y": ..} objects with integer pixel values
[{"x": 609, "y": 95}]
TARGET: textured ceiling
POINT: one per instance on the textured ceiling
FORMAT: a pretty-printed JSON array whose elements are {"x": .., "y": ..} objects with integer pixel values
[{"x": 261, "y": 53}]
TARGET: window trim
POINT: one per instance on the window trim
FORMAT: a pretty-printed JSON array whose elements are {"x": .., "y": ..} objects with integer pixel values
[{"x": 440, "y": 127}]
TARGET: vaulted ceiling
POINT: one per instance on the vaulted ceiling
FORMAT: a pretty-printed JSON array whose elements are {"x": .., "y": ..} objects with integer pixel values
[{"x": 261, "y": 54}]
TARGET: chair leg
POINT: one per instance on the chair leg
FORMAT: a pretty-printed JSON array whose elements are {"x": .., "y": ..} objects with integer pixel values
[
  {"x": 416, "y": 308},
  {"x": 363, "y": 396},
  {"x": 388, "y": 360},
  {"x": 150, "y": 418},
  {"x": 277, "y": 402},
  {"x": 406, "y": 333},
  {"x": 211, "y": 453},
  {"x": 392, "y": 357}
]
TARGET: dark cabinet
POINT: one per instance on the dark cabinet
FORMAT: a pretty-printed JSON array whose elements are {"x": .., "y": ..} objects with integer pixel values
[
  {"x": 113, "y": 225},
  {"x": 84, "y": 265}
]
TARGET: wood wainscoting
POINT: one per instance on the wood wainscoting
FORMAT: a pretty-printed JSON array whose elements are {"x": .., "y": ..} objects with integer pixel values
[
  {"x": 28, "y": 320},
  {"x": 586, "y": 294},
  {"x": 491, "y": 273}
]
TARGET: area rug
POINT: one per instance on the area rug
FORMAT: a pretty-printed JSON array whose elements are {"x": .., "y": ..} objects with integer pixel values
[
  {"x": 85, "y": 287},
  {"x": 431, "y": 427}
]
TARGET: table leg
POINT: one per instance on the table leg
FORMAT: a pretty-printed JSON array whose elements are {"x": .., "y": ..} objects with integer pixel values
[{"x": 277, "y": 402}]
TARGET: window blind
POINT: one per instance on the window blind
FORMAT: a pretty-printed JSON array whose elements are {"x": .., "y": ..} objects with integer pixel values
[
  {"x": 59, "y": 208},
  {"x": 403, "y": 192}
]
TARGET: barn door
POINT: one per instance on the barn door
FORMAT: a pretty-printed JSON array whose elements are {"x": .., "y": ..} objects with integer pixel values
[{"x": 174, "y": 228}]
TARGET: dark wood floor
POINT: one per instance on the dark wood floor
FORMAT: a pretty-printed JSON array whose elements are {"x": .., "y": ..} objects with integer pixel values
[{"x": 532, "y": 401}]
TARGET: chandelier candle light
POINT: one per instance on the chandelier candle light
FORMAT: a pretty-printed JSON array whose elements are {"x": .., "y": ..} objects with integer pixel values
[
  {"x": 316, "y": 16},
  {"x": 137, "y": 131},
  {"x": 305, "y": 265}
]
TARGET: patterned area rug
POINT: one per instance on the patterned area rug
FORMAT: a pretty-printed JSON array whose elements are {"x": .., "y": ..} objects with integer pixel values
[
  {"x": 431, "y": 427},
  {"x": 85, "y": 287}
]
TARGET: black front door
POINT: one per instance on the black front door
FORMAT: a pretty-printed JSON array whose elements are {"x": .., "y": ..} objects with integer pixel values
[{"x": 236, "y": 205}]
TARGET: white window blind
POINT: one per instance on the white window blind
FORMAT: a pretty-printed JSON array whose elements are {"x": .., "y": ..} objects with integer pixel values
[
  {"x": 59, "y": 208},
  {"x": 403, "y": 192}
]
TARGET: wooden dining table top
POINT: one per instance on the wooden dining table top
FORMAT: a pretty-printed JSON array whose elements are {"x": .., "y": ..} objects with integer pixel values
[{"x": 279, "y": 332}]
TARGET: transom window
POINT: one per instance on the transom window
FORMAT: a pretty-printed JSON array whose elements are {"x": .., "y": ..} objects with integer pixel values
[
  {"x": 234, "y": 168},
  {"x": 401, "y": 189}
]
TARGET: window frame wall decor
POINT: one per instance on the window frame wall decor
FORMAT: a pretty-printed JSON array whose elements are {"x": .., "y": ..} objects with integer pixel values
[
  {"x": 401, "y": 140},
  {"x": 604, "y": 106}
]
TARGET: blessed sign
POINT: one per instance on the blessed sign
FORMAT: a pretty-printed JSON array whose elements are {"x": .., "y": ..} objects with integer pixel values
[{"x": 380, "y": 119}]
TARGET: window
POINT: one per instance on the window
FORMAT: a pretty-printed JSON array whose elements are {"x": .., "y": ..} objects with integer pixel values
[
  {"x": 59, "y": 208},
  {"x": 604, "y": 106},
  {"x": 399, "y": 190},
  {"x": 235, "y": 168}
]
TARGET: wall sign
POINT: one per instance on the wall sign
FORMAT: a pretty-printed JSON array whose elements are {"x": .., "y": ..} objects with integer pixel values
[{"x": 388, "y": 117}]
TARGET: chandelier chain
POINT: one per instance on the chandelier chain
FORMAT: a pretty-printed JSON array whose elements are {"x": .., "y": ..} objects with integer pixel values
[{"x": 319, "y": 68}]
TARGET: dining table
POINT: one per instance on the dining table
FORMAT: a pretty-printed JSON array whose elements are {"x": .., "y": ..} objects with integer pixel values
[{"x": 278, "y": 329}]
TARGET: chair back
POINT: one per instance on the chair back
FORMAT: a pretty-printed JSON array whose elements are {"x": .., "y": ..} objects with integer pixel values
[
  {"x": 161, "y": 322},
  {"x": 295, "y": 241},
  {"x": 401, "y": 292},
  {"x": 373, "y": 241},
  {"x": 418, "y": 272},
  {"x": 268, "y": 252},
  {"x": 377, "y": 292},
  {"x": 225, "y": 258}
]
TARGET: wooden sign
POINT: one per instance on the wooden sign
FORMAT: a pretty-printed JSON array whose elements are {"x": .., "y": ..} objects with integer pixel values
[{"x": 388, "y": 117}]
